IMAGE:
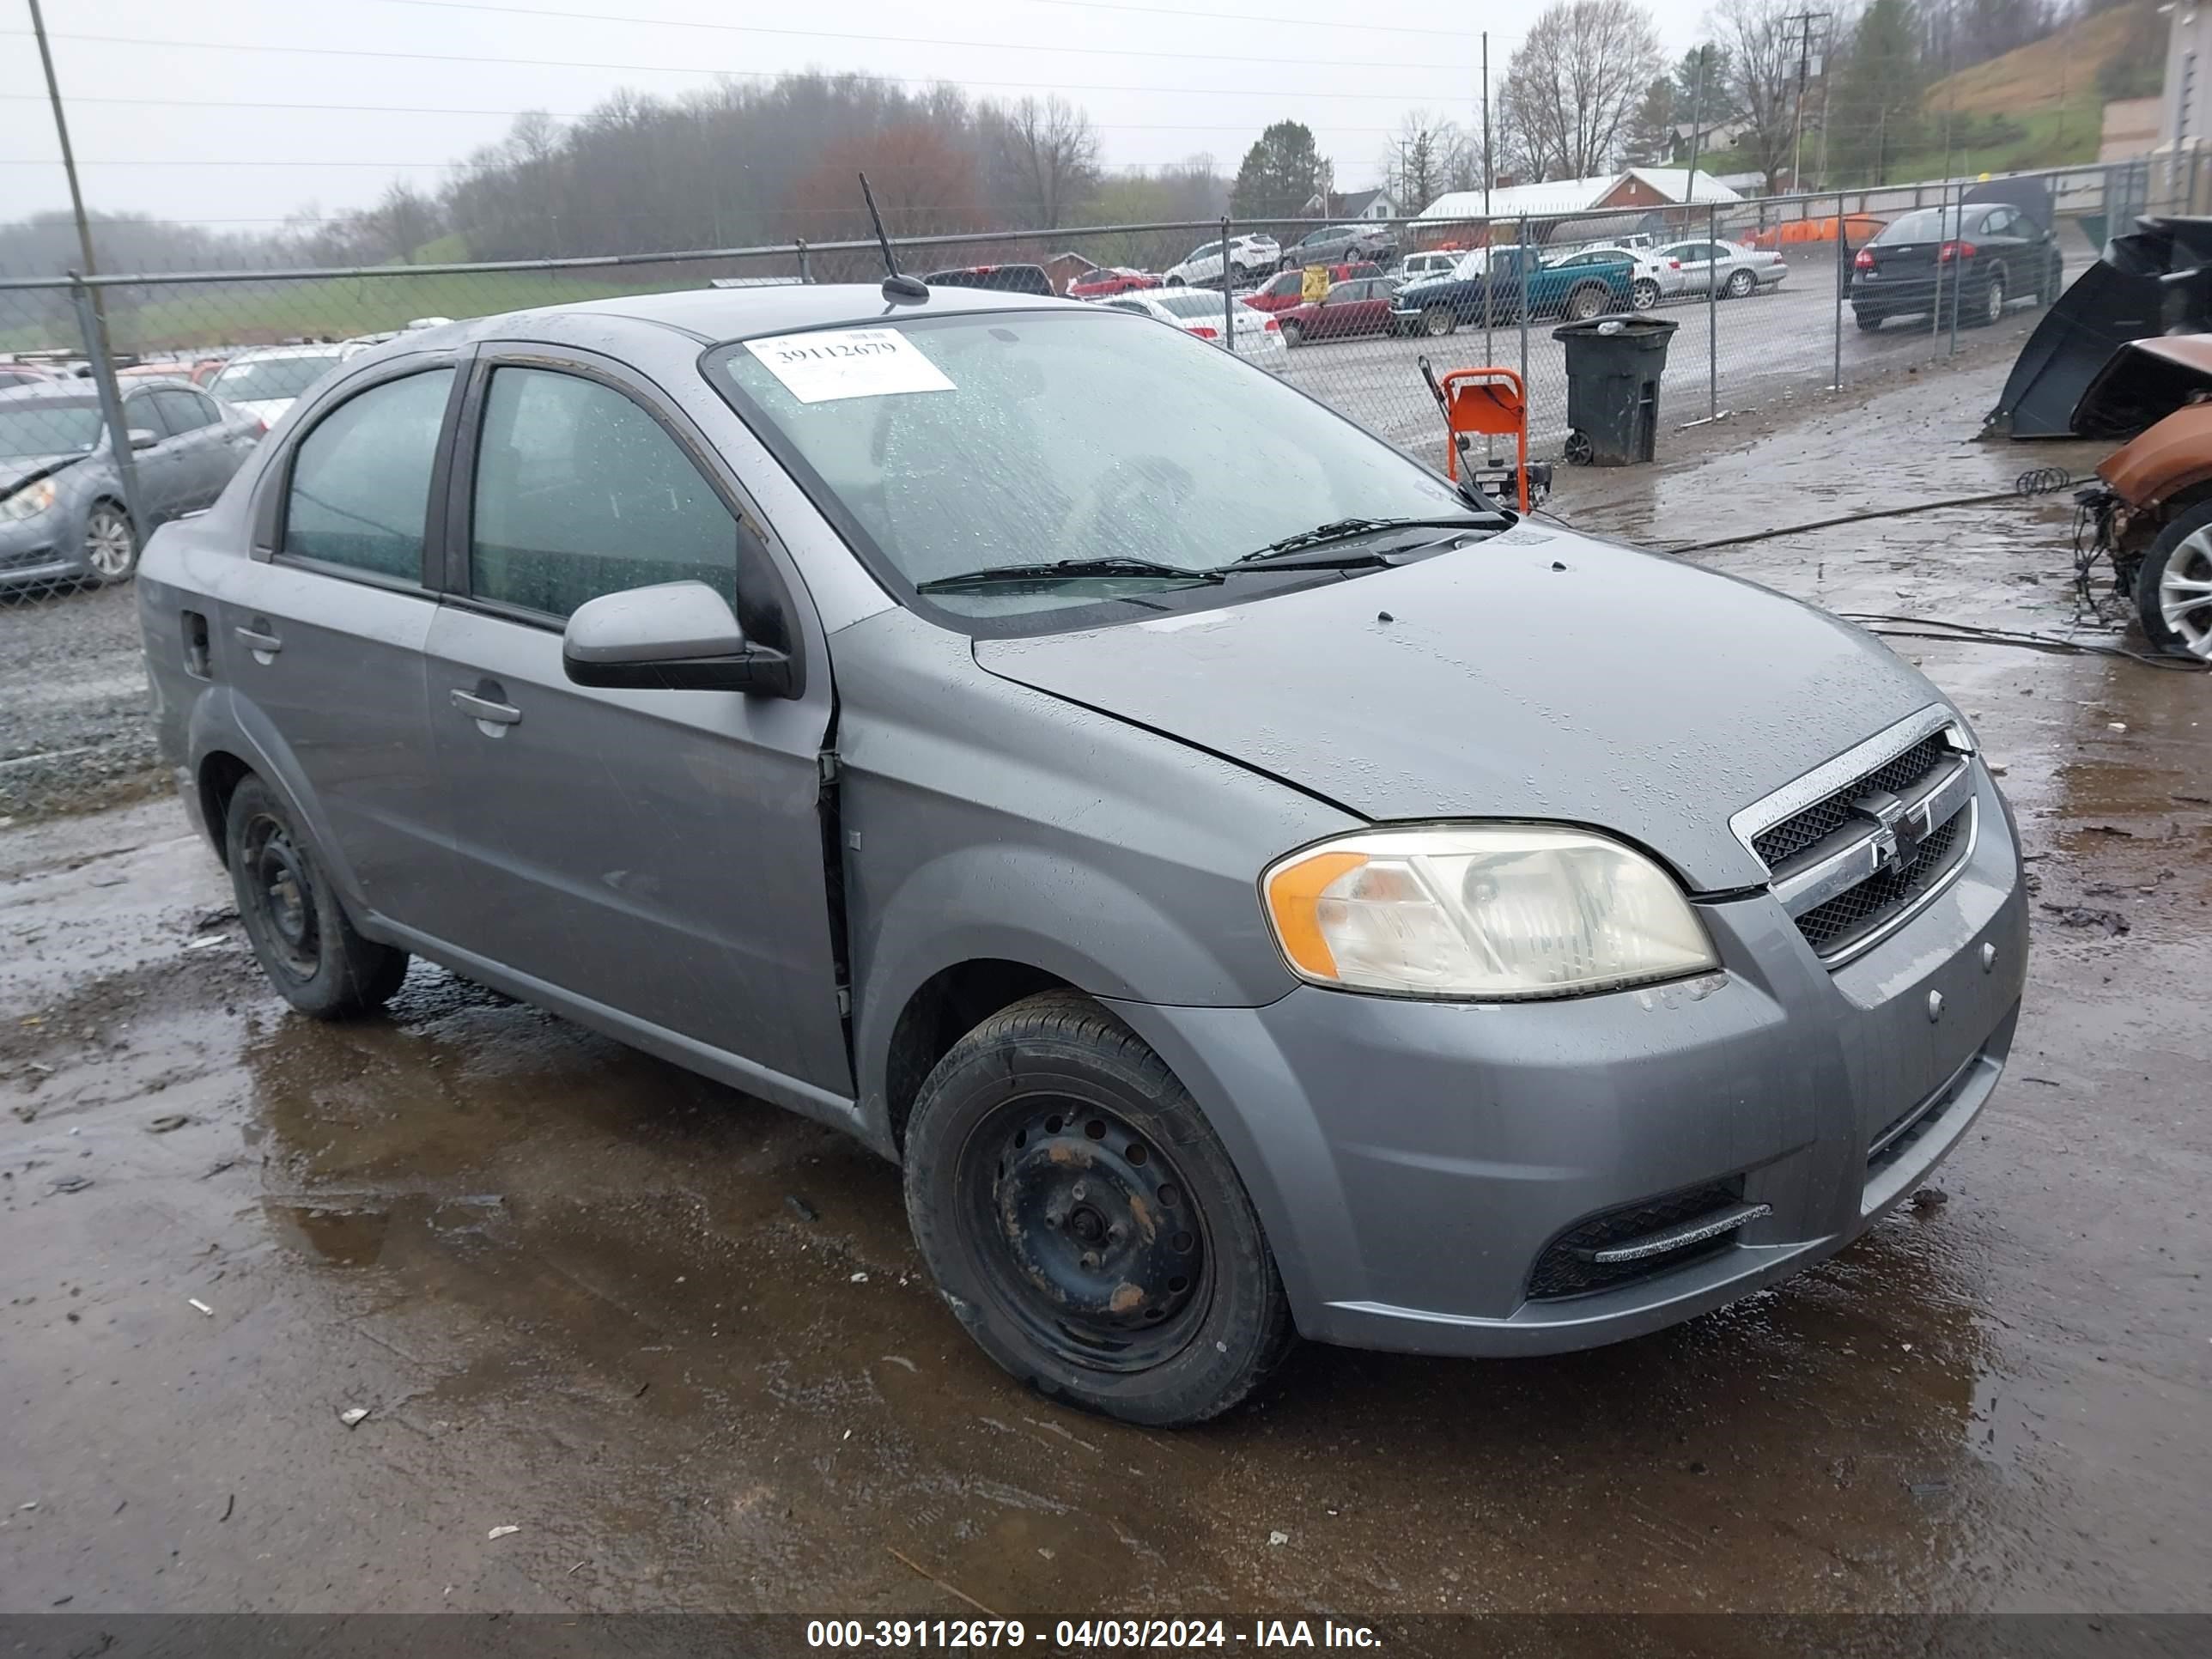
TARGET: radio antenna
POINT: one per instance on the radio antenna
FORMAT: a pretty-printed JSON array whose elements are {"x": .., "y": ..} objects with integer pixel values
[{"x": 896, "y": 285}]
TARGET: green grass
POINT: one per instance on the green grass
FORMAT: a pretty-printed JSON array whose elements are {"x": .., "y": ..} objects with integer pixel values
[
  {"x": 2050, "y": 138},
  {"x": 254, "y": 312}
]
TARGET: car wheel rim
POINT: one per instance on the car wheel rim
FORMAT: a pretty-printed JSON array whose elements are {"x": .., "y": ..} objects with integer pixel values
[
  {"x": 280, "y": 898},
  {"x": 1739, "y": 285},
  {"x": 1086, "y": 1231},
  {"x": 107, "y": 542},
  {"x": 1643, "y": 296},
  {"x": 1437, "y": 321},
  {"x": 1996, "y": 299},
  {"x": 2185, "y": 594}
]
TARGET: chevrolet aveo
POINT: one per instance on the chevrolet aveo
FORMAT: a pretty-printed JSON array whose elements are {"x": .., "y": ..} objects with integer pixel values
[{"x": 1251, "y": 888}]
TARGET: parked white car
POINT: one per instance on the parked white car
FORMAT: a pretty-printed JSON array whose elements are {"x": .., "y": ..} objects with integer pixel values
[
  {"x": 1255, "y": 334},
  {"x": 1647, "y": 280},
  {"x": 1250, "y": 257},
  {"x": 1696, "y": 267},
  {"x": 1415, "y": 266},
  {"x": 265, "y": 381}
]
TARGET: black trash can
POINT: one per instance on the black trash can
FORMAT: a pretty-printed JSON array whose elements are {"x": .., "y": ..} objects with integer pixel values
[{"x": 1613, "y": 366}]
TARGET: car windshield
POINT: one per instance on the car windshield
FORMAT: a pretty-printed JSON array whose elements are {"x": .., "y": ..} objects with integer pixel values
[
  {"x": 969, "y": 442},
  {"x": 49, "y": 427},
  {"x": 1192, "y": 305},
  {"x": 1922, "y": 226},
  {"x": 259, "y": 378}
]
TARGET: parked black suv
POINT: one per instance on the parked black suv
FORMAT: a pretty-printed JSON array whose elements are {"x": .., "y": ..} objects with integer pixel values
[{"x": 1006, "y": 279}]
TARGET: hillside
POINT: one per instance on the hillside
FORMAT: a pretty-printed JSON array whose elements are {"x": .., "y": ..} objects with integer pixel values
[{"x": 2059, "y": 70}]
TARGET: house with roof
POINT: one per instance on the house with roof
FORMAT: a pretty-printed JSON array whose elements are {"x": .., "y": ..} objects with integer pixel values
[
  {"x": 1344, "y": 206},
  {"x": 1579, "y": 210}
]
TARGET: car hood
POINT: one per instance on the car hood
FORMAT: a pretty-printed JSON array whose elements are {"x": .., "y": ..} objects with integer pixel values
[
  {"x": 16, "y": 470},
  {"x": 1539, "y": 675}
]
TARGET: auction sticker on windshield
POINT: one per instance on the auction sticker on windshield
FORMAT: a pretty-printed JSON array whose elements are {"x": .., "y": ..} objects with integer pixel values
[{"x": 847, "y": 362}]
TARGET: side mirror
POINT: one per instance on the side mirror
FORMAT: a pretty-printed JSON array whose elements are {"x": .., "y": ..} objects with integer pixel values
[
  {"x": 142, "y": 438},
  {"x": 677, "y": 636}
]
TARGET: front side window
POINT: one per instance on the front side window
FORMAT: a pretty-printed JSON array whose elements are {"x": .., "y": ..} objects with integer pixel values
[
  {"x": 969, "y": 442},
  {"x": 579, "y": 492},
  {"x": 361, "y": 479},
  {"x": 183, "y": 411}
]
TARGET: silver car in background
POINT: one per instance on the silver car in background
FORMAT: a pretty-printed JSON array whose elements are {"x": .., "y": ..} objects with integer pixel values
[
  {"x": 62, "y": 514},
  {"x": 264, "y": 381},
  {"x": 1698, "y": 267},
  {"x": 1191, "y": 838}
]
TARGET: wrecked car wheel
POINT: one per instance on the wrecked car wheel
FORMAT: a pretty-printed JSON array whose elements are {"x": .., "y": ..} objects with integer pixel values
[
  {"x": 299, "y": 934},
  {"x": 2173, "y": 587},
  {"x": 1085, "y": 1224}
]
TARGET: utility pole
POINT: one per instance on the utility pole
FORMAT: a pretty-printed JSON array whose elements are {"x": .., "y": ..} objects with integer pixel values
[
  {"x": 1697, "y": 124},
  {"x": 1486, "y": 134},
  {"x": 68, "y": 155},
  {"x": 1803, "y": 21}
]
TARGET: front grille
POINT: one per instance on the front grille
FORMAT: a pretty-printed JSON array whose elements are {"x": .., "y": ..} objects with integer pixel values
[
  {"x": 1849, "y": 917},
  {"x": 1565, "y": 1267},
  {"x": 1825, "y": 817}
]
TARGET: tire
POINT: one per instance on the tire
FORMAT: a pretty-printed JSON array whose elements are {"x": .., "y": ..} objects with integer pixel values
[
  {"x": 111, "y": 545},
  {"x": 1439, "y": 320},
  {"x": 1991, "y": 308},
  {"x": 2173, "y": 587},
  {"x": 1051, "y": 1129},
  {"x": 1173, "y": 282},
  {"x": 1869, "y": 321},
  {"x": 1739, "y": 284},
  {"x": 1644, "y": 293},
  {"x": 1292, "y": 334},
  {"x": 1586, "y": 302},
  {"x": 298, "y": 931},
  {"x": 1578, "y": 451},
  {"x": 2054, "y": 282}
]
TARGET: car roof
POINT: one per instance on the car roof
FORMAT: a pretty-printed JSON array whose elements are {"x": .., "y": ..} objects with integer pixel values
[
  {"x": 76, "y": 390},
  {"x": 711, "y": 314},
  {"x": 271, "y": 354}
]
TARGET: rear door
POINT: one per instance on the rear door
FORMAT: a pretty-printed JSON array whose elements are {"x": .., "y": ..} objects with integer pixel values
[
  {"x": 320, "y": 633},
  {"x": 209, "y": 449},
  {"x": 654, "y": 853},
  {"x": 161, "y": 467}
]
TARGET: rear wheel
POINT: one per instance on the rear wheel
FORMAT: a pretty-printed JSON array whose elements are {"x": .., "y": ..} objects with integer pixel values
[
  {"x": 1739, "y": 284},
  {"x": 300, "y": 933},
  {"x": 1085, "y": 1224},
  {"x": 1439, "y": 319},
  {"x": 1643, "y": 294},
  {"x": 1585, "y": 302},
  {"x": 1292, "y": 334},
  {"x": 111, "y": 546},
  {"x": 1992, "y": 306},
  {"x": 1868, "y": 320},
  {"x": 1174, "y": 281},
  {"x": 2054, "y": 282},
  {"x": 2173, "y": 587}
]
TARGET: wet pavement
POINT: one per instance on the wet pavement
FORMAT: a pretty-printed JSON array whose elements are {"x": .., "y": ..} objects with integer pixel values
[{"x": 679, "y": 1340}]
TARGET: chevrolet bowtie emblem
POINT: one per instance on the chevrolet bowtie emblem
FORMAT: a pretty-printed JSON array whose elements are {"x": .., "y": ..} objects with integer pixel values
[{"x": 1896, "y": 834}]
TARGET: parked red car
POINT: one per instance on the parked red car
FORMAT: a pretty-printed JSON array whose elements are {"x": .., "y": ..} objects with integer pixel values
[
  {"x": 1359, "y": 306},
  {"x": 1282, "y": 292},
  {"x": 1108, "y": 281}
]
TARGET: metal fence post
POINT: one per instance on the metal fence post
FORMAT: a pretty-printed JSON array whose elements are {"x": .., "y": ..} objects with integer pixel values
[
  {"x": 1712, "y": 313},
  {"x": 1520, "y": 261},
  {"x": 1936, "y": 318},
  {"x": 1228, "y": 300},
  {"x": 804, "y": 276},
  {"x": 1958, "y": 271},
  {"x": 88, "y": 322},
  {"x": 1843, "y": 287}
]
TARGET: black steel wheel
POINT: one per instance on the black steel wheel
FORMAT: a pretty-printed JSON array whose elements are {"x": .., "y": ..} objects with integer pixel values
[
  {"x": 1083, "y": 1222},
  {"x": 1578, "y": 450},
  {"x": 300, "y": 932}
]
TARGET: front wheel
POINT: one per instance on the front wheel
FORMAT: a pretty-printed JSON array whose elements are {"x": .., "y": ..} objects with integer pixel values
[
  {"x": 1439, "y": 319},
  {"x": 300, "y": 933},
  {"x": 1174, "y": 281},
  {"x": 1085, "y": 1224},
  {"x": 2173, "y": 587},
  {"x": 2054, "y": 282},
  {"x": 1739, "y": 284},
  {"x": 1643, "y": 294},
  {"x": 111, "y": 545}
]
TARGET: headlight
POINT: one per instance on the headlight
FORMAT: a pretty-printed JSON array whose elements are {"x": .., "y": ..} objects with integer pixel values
[
  {"x": 28, "y": 501},
  {"x": 1482, "y": 912}
]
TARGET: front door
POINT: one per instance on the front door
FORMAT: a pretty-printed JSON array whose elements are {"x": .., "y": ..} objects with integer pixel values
[{"x": 656, "y": 853}]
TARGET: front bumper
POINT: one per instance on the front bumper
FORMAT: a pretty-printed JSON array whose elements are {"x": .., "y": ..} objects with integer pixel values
[
  {"x": 1414, "y": 1162},
  {"x": 40, "y": 549}
]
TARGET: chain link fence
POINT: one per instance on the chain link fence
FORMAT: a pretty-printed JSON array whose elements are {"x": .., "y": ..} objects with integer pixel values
[{"x": 129, "y": 400}]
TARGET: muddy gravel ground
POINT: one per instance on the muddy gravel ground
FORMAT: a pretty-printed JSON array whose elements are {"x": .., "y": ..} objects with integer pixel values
[
  {"x": 74, "y": 732},
  {"x": 680, "y": 1342}
]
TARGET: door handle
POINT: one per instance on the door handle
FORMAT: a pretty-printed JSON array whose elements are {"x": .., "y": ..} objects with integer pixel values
[
  {"x": 255, "y": 639},
  {"x": 484, "y": 709}
]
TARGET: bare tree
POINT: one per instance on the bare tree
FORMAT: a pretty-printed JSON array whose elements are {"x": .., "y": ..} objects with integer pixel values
[
  {"x": 1759, "y": 38},
  {"x": 1044, "y": 154},
  {"x": 1573, "y": 86},
  {"x": 1426, "y": 159},
  {"x": 403, "y": 219}
]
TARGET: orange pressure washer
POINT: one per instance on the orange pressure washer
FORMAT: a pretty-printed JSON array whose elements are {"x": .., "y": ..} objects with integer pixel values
[{"x": 1488, "y": 403}]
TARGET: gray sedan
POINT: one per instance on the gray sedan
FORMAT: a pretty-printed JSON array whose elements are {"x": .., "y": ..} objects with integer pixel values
[
  {"x": 61, "y": 516},
  {"x": 1134, "y": 800},
  {"x": 1696, "y": 267}
]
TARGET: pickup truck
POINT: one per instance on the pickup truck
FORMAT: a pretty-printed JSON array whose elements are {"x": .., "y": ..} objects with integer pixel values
[{"x": 1489, "y": 282}]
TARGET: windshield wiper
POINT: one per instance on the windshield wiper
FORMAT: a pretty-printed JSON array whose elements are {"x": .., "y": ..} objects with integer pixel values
[
  {"x": 991, "y": 576},
  {"x": 1340, "y": 530}
]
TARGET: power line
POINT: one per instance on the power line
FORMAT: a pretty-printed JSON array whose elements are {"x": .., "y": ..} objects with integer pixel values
[
  {"x": 1276, "y": 93},
  {"x": 1081, "y": 5},
  {"x": 562, "y": 115},
  {"x": 1363, "y": 27}
]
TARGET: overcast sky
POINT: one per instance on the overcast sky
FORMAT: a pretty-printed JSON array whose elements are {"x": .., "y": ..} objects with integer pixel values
[{"x": 183, "y": 109}]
